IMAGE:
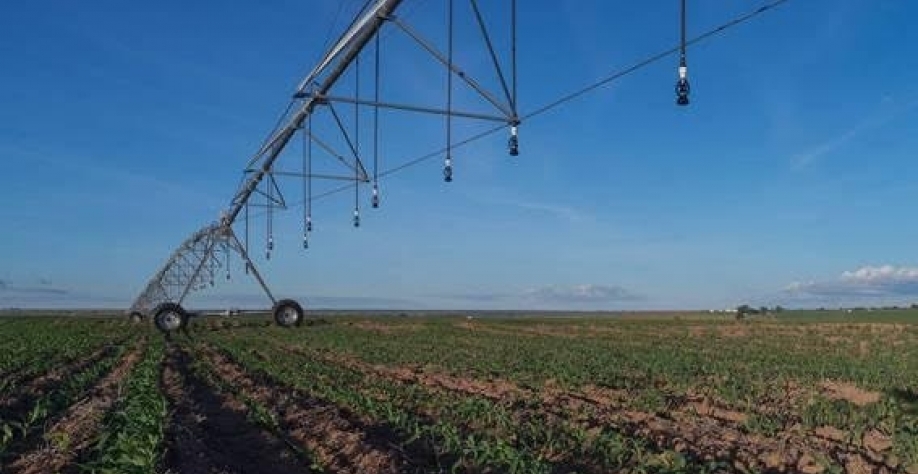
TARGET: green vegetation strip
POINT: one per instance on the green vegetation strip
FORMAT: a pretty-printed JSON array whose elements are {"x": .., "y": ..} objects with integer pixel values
[
  {"x": 477, "y": 433},
  {"x": 33, "y": 347},
  {"x": 17, "y": 433},
  {"x": 132, "y": 441},
  {"x": 771, "y": 371}
]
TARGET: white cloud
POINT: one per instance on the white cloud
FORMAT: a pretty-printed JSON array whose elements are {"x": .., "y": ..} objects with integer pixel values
[
  {"x": 580, "y": 294},
  {"x": 865, "y": 282},
  {"x": 880, "y": 275},
  {"x": 553, "y": 295}
]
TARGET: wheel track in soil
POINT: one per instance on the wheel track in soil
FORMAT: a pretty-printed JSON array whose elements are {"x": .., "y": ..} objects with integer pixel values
[
  {"x": 210, "y": 433},
  {"x": 696, "y": 428},
  {"x": 80, "y": 422},
  {"x": 341, "y": 441}
]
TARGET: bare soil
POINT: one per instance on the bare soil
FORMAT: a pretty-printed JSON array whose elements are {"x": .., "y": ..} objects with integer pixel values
[
  {"x": 79, "y": 426},
  {"x": 698, "y": 426},
  {"x": 30, "y": 390},
  {"x": 849, "y": 392},
  {"x": 340, "y": 441},
  {"x": 209, "y": 432}
]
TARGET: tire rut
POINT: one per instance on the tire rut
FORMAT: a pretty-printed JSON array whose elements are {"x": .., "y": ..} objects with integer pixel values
[
  {"x": 209, "y": 433},
  {"x": 342, "y": 442}
]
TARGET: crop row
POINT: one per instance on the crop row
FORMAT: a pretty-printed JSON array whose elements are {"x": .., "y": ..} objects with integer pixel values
[
  {"x": 132, "y": 438},
  {"x": 30, "y": 348},
  {"x": 21, "y": 428},
  {"x": 476, "y": 432},
  {"x": 775, "y": 389}
]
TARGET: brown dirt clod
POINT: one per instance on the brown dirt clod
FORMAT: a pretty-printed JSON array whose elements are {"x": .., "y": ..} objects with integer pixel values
[{"x": 849, "y": 392}]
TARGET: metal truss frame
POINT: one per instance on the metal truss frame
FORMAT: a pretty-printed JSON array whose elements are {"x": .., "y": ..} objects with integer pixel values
[{"x": 194, "y": 265}]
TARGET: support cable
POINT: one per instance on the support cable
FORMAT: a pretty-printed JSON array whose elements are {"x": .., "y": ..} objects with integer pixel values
[
  {"x": 576, "y": 94},
  {"x": 375, "y": 199},
  {"x": 357, "y": 140},
  {"x": 514, "y": 143},
  {"x": 226, "y": 249},
  {"x": 513, "y": 103},
  {"x": 359, "y": 169},
  {"x": 270, "y": 217},
  {"x": 448, "y": 162},
  {"x": 307, "y": 177},
  {"x": 247, "y": 265},
  {"x": 490, "y": 45},
  {"x": 654, "y": 58}
]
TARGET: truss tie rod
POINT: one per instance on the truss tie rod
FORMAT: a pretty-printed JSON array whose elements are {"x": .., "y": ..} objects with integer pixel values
[
  {"x": 452, "y": 67},
  {"x": 348, "y": 49},
  {"x": 414, "y": 108}
]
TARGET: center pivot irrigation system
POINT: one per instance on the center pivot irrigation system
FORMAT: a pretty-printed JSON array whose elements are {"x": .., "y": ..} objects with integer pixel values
[{"x": 199, "y": 261}]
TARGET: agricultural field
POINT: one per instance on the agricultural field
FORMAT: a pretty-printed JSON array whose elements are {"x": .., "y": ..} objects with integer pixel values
[{"x": 673, "y": 393}]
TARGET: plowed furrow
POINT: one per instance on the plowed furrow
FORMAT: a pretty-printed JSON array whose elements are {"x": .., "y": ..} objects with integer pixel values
[
  {"x": 340, "y": 441},
  {"x": 78, "y": 426},
  {"x": 704, "y": 432},
  {"x": 30, "y": 389},
  {"x": 209, "y": 432}
]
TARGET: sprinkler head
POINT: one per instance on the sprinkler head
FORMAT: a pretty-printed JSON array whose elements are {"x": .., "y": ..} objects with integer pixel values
[
  {"x": 682, "y": 86},
  {"x": 448, "y": 171}
]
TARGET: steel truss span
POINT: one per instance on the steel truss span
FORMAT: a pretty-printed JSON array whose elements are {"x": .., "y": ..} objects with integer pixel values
[{"x": 196, "y": 263}]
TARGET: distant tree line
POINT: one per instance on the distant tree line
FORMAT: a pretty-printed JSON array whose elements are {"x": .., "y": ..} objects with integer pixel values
[{"x": 744, "y": 311}]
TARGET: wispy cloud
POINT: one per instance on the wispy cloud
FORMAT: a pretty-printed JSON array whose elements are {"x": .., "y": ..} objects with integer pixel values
[
  {"x": 581, "y": 294},
  {"x": 866, "y": 282},
  {"x": 477, "y": 297},
  {"x": 9, "y": 290},
  {"x": 44, "y": 294},
  {"x": 886, "y": 112},
  {"x": 552, "y": 295},
  {"x": 555, "y": 210},
  {"x": 244, "y": 300}
]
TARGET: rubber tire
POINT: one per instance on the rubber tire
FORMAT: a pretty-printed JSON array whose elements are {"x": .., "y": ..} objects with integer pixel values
[
  {"x": 160, "y": 313},
  {"x": 283, "y": 306},
  {"x": 136, "y": 317}
]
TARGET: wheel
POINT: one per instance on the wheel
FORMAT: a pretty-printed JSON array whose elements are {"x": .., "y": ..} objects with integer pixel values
[
  {"x": 287, "y": 313},
  {"x": 136, "y": 317},
  {"x": 170, "y": 317}
]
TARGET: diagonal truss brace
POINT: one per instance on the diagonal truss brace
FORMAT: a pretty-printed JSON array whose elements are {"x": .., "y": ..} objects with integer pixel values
[{"x": 194, "y": 266}]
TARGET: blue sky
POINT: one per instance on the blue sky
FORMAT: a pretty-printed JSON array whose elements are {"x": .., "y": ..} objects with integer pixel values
[{"x": 124, "y": 127}]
